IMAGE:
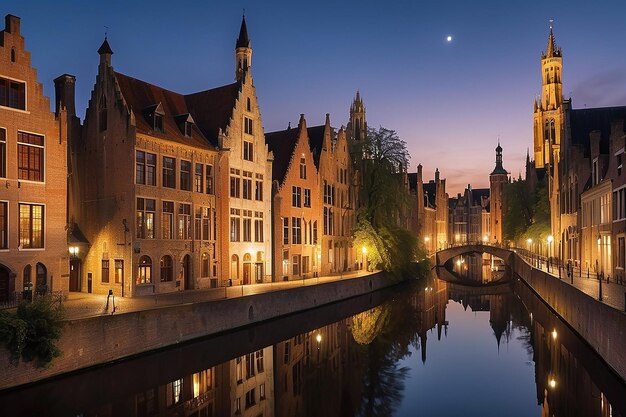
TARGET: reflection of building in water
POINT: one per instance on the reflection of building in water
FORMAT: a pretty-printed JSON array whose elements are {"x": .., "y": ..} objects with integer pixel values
[
  {"x": 317, "y": 373},
  {"x": 478, "y": 267},
  {"x": 252, "y": 384},
  {"x": 430, "y": 304}
]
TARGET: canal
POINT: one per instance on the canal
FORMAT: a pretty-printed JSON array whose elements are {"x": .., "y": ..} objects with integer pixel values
[{"x": 427, "y": 347}]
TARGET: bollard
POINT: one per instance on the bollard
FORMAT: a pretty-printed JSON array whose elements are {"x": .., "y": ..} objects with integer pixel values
[
  {"x": 600, "y": 289},
  {"x": 587, "y": 272}
]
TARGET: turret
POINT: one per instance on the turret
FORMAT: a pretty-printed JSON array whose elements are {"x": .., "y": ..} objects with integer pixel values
[
  {"x": 243, "y": 51},
  {"x": 105, "y": 52}
]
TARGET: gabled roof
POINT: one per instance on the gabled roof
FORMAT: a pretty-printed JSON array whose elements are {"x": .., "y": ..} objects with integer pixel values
[
  {"x": 145, "y": 98},
  {"x": 212, "y": 109},
  {"x": 316, "y": 142},
  {"x": 282, "y": 143}
]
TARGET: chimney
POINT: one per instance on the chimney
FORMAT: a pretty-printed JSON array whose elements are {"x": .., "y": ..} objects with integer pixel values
[
  {"x": 12, "y": 24},
  {"x": 419, "y": 174},
  {"x": 64, "y": 87},
  {"x": 436, "y": 174}
]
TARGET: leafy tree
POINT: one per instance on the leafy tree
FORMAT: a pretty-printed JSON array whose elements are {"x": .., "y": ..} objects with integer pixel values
[
  {"x": 382, "y": 161},
  {"x": 527, "y": 213}
]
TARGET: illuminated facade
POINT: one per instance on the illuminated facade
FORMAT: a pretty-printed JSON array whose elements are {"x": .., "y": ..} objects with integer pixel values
[
  {"x": 497, "y": 181},
  {"x": 33, "y": 176},
  {"x": 429, "y": 210}
]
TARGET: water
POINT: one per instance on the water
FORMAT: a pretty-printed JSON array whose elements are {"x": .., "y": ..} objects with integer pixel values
[{"x": 428, "y": 348}]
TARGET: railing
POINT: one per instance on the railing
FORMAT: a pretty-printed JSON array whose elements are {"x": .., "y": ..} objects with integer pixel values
[{"x": 56, "y": 297}]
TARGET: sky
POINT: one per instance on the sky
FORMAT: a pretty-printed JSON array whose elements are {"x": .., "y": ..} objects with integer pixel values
[{"x": 449, "y": 101}]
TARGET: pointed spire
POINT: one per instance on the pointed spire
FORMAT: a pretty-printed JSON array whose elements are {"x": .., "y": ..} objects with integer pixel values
[
  {"x": 243, "y": 41},
  {"x": 552, "y": 49},
  {"x": 105, "y": 48}
]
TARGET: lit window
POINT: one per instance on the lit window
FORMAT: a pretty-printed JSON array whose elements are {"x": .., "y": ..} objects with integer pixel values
[
  {"x": 144, "y": 270},
  {"x": 30, "y": 157},
  {"x": 31, "y": 226}
]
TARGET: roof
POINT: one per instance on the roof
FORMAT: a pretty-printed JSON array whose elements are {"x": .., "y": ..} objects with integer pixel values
[
  {"x": 212, "y": 109},
  {"x": 243, "y": 41},
  {"x": 585, "y": 121},
  {"x": 144, "y": 98},
  {"x": 105, "y": 48},
  {"x": 282, "y": 143},
  {"x": 316, "y": 142},
  {"x": 76, "y": 236}
]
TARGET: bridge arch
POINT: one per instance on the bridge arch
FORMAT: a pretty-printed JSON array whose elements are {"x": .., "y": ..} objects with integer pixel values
[{"x": 445, "y": 255}]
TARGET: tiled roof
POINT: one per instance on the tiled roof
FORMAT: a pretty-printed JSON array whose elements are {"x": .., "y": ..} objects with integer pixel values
[
  {"x": 212, "y": 109},
  {"x": 282, "y": 143},
  {"x": 144, "y": 98}
]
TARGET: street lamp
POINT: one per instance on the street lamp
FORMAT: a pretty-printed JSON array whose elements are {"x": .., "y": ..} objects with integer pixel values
[
  {"x": 485, "y": 238},
  {"x": 73, "y": 251},
  {"x": 530, "y": 242}
]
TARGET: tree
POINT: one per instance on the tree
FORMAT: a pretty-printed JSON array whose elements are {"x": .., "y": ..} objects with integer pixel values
[
  {"x": 528, "y": 213},
  {"x": 382, "y": 159}
]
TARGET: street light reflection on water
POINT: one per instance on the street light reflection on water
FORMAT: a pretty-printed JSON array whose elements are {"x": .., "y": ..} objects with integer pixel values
[{"x": 426, "y": 348}]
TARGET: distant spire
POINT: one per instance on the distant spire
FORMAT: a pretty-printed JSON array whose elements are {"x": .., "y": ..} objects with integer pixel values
[
  {"x": 105, "y": 48},
  {"x": 552, "y": 49},
  {"x": 243, "y": 41},
  {"x": 499, "y": 169}
]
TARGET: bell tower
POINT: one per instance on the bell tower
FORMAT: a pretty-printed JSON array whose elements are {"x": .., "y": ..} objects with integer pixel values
[
  {"x": 357, "y": 126},
  {"x": 243, "y": 51},
  {"x": 548, "y": 110},
  {"x": 497, "y": 181}
]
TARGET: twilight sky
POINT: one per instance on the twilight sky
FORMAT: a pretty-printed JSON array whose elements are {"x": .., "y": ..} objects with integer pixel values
[{"x": 449, "y": 101}]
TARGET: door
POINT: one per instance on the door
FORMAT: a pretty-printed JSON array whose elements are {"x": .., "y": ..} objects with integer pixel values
[
  {"x": 75, "y": 274},
  {"x": 4, "y": 284},
  {"x": 187, "y": 273}
]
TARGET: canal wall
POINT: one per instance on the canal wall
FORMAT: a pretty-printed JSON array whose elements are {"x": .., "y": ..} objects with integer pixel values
[
  {"x": 98, "y": 340},
  {"x": 602, "y": 326}
]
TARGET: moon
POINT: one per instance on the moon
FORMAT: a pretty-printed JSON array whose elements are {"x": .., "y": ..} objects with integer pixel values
[{"x": 449, "y": 38}]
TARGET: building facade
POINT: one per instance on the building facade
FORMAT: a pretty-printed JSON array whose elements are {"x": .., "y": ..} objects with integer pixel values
[
  {"x": 469, "y": 216},
  {"x": 297, "y": 205},
  {"x": 34, "y": 252},
  {"x": 497, "y": 181},
  {"x": 428, "y": 208}
]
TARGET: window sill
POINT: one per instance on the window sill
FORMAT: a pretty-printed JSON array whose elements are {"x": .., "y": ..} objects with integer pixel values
[{"x": 14, "y": 109}]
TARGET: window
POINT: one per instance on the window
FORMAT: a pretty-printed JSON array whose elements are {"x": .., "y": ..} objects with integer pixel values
[
  {"x": 247, "y": 189},
  {"x": 286, "y": 354},
  {"x": 3, "y": 153},
  {"x": 295, "y": 262},
  {"x": 140, "y": 167},
  {"x": 41, "y": 279},
  {"x": 250, "y": 398},
  {"x": 31, "y": 226},
  {"x": 167, "y": 269},
  {"x": 209, "y": 179},
  {"x": 185, "y": 175},
  {"x": 30, "y": 157},
  {"x": 4, "y": 225},
  {"x": 234, "y": 225},
  {"x": 259, "y": 361},
  {"x": 158, "y": 123},
  {"x": 169, "y": 172},
  {"x": 145, "y": 218},
  {"x": 247, "y": 125},
  {"x": 248, "y": 151},
  {"x": 13, "y": 56},
  {"x": 199, "y": 178},
  {"x": 119, "y": 271},
  {"x": 296, "y": 231},
  {"x": 102, "y": 113},
  {"x": 258, "y": 230},
  {"x": 204, "y": 265},
  {"x": 307, "y": 197},
  {"x": 239, "y": 370},
  {"x": 150, "y": 169},
  {"x": 258, "y": 191},
  {"x": 188, "y": 129},
  {"x": 250, "y": 365},
  {"x": 315, "y": 232},
  {"x": 326, "y": 220},
  {"x": 174, "y": 392},
  {"x": 206, "y": 223},
  {"x": 235, "y": 185},
  {"x": 296, "y": 196},
  {"x": 184, "y": 221},
  {"x": 247, "y": 226},
  {"x": 303, "y": 168},
  {"x": 620, "y": 253},
  {"x": 27, "y": 278},
  {"x": 167, "y": 220},
  {"x": 104, "y": 275},
  {"x": 262, "y": 391},
  {"x": 248, "y": 106},
  {"x": 286, "y": 231},
  {"x": 144, "y": 270},
  {"x": 12, "y": 94}
]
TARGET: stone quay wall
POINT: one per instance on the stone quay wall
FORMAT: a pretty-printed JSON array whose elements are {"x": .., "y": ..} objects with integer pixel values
[
  {"x": 603, "y": 327},
  {"x": 98, "y": 340}
]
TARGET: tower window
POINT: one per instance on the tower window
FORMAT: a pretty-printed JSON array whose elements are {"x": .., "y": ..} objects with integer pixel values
[
  {"x": 248, "y": 106},
  {"x": 158, "y": 122},
  {"x": 188, "y": 129},
  {"x": 247, "y": 125}
]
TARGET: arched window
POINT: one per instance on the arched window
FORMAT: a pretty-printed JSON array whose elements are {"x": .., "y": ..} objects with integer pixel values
[
  {"x": 552, "y": 132},
  {"x": 42, "y": 278},
  {"x": 234, "y": 267},
  {"x": 144, "y": 270},
  {"x": 205, "y": 265},
  {"x": 28, "y": 280},
  {"x": 249, "y": 106},
  {"x": 12, "y": 54},
  {"x": 546, "y": 132},
  {"x": 167, "y": 269},
  {"x": 102, "y": 113}
]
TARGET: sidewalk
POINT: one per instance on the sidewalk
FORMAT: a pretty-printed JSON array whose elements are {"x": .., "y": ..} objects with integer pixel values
[
  {"x": 80, "y": 305},
  {"x": 612, "y": 293}
]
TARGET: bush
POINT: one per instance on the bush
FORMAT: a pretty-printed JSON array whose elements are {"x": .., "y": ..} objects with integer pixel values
[{"x": 31, "y": 332}]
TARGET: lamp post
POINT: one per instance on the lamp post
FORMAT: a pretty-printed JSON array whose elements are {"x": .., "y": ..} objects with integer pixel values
[
  {"x": 550, "y": 239},
  {"x": 530, "y": 242}
]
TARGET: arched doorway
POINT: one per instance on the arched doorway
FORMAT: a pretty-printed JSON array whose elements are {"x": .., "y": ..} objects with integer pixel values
[
  {"x": 42, "y": 279},
  {"x": 247, "y": 268},
  {"x": 5, "y": 280},
  {"x": 186, "y": 264}
]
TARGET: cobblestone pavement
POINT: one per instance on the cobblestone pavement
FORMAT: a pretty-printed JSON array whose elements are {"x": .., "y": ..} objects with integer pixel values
[
  {"x": 78, "y": 305},
  {"x": 613, "y": 294}
]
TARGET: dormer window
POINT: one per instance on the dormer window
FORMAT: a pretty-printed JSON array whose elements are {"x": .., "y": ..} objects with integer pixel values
[
  {"x": 158, "y": 122},
  {"x": 185, "y": 123}
]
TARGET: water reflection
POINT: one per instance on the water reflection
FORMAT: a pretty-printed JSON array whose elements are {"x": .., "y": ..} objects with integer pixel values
[{"x": 364, "y": 357}]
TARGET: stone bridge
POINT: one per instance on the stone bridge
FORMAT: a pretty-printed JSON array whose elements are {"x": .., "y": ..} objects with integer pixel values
[
  {"x": 453, "y": 278},
  {"x": 445, "y": 255}
]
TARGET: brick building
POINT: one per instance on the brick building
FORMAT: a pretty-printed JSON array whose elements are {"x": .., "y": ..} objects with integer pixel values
[
  {"x": 33, "y": 176},
  {"x": 428, "y": 210},
  {"x": 297, "y": 209},
  {"x": 150, "y": 163},
  {"x": 498, "y": 179},
  {"x": 469, "y": 216}
]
